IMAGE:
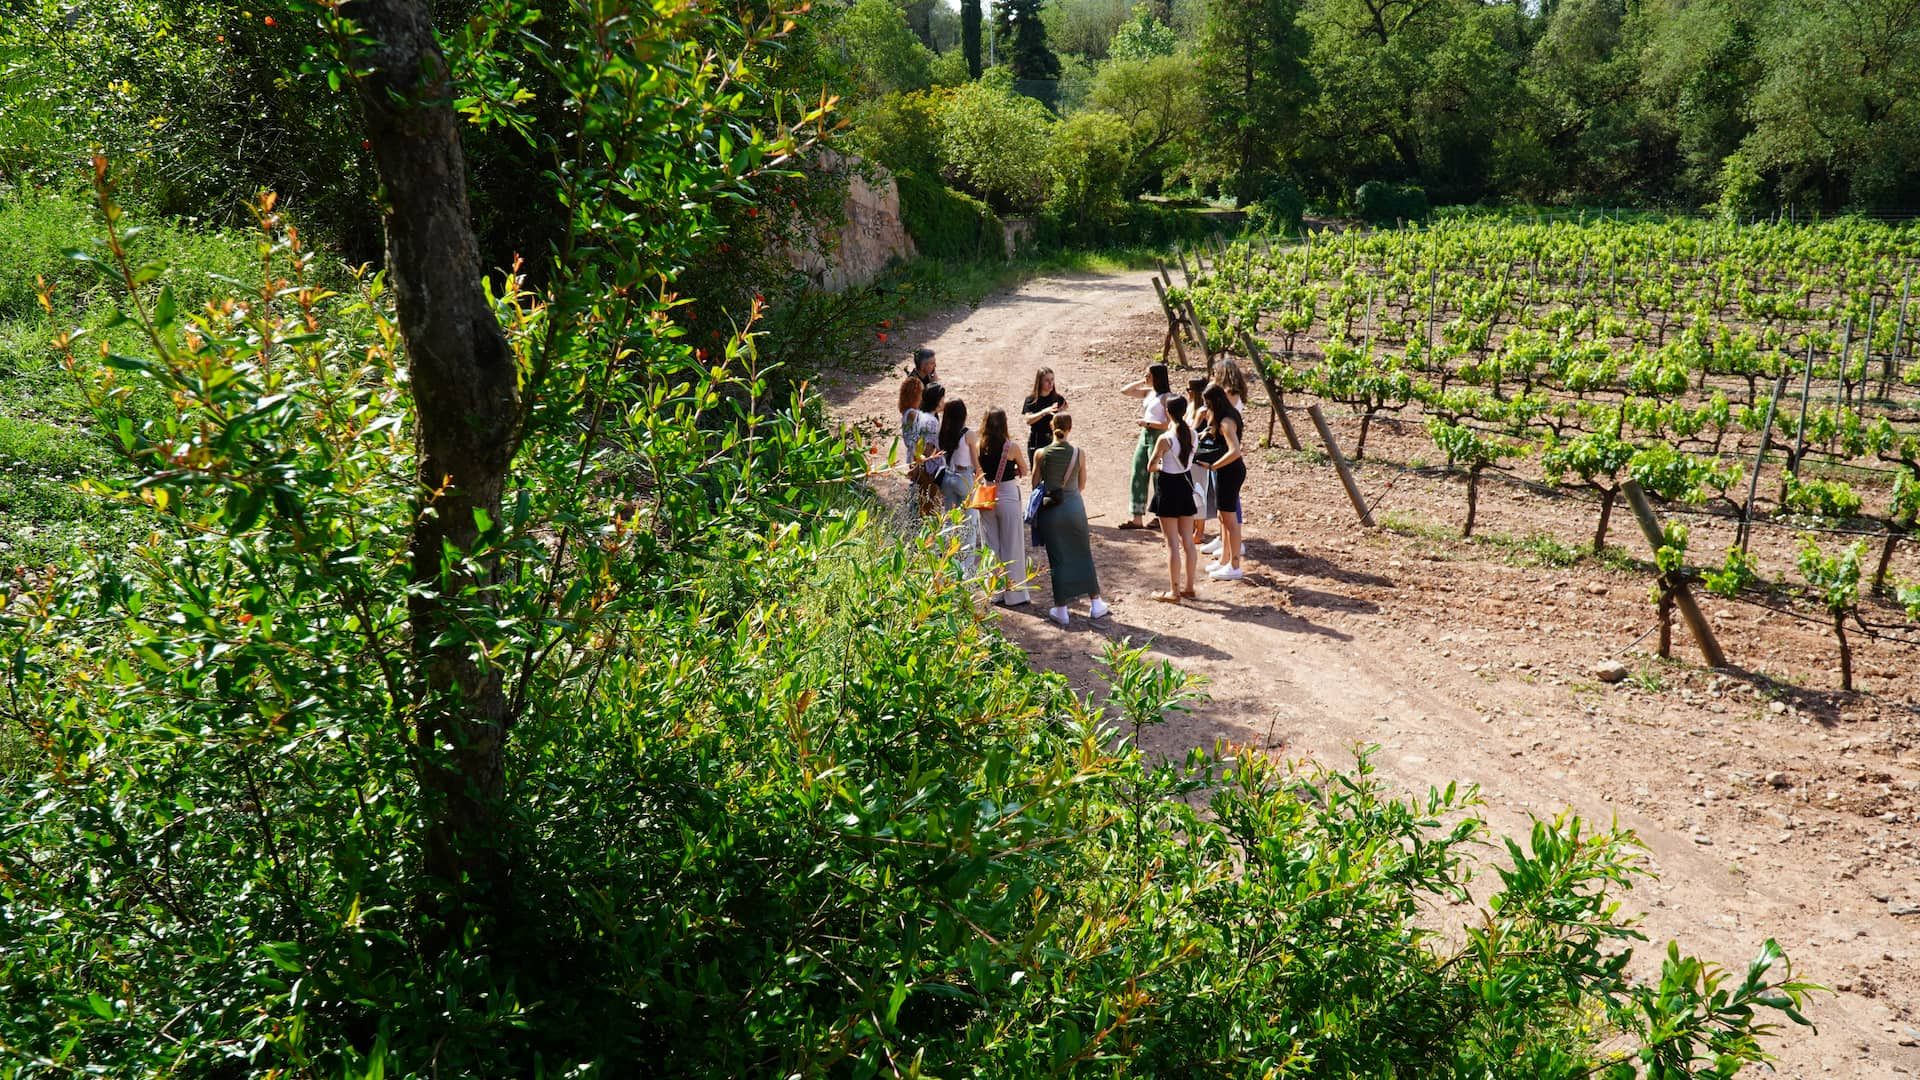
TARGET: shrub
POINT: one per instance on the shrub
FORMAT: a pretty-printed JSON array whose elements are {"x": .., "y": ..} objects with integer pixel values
[
  {"x": 945, "y": 224},
  {"x": 994, "y": 146},
  {"x": 1280, "y": 210},
  {"x": 1088, "y": 155},
  {"x": 1382, "y": 203}
]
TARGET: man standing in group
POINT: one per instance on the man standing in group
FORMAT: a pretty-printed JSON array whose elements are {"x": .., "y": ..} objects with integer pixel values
[{"x": 924, "y": 367}]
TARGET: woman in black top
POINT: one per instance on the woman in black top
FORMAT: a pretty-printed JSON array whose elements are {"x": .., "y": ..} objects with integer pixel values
[
  {"x": 1039, "y": 409},
  {"x": 1220, "y": 455}
]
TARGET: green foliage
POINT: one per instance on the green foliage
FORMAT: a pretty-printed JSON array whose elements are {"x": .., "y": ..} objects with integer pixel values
[
  {"x": 1279, "y": 211},
  {"x": 994, "y": 146},
  {"x": 1739, "y": 573},
  {"x": 1821, "y": 498},
  {"x": 880, "y": 51},
  {"x": 1671, "y": 556},
  {"x": 1468, "y": 448},
  {"x": 1088, "y": 154},
  {"x": 1143, "y": 36},
  {"x": 900, "y": 132},
  {"x": 1381, "y": 203},
  {"x": 946, "y": 224},
  {"x": 1834, "y": 578},
  {"x": 1254, "y": 85},
  {"x": 1022, "y": 34}
]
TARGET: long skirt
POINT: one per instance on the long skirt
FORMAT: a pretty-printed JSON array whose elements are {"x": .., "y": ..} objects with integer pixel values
[
  {"x": 954, "y": 485},
  {"x": 1004, "y": 532},
  {"x": 1142, "y": 454},
  {"x": 1063, "y": 528}
]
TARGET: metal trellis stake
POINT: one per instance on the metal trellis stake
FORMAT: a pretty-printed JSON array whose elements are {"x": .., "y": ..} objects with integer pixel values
[{"x": 1759, "y": 460}]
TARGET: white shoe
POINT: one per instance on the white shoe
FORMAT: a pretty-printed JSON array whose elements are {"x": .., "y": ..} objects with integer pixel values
[
  {"x": 1098, "y": 610},
  {"x": 1214, "y": 564},
  {"x": 1059, "y": 615},
  {"x": 1211, "y": 547},
  {"x": 1227, "y": 573}
]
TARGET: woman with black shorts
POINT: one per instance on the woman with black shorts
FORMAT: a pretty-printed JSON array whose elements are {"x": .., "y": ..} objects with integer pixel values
[{"x": 1220, "y": 456}]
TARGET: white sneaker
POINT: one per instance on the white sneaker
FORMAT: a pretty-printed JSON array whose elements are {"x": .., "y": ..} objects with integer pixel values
[
  {"x": 1226, "y": 573},
  {"x": 1098, "y": 610},
  {"x": 1059, "y": 615},
  {"x": 1211, "y": 547}
]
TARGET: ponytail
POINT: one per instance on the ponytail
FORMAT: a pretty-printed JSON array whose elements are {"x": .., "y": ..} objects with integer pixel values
[{"x": 1177, "y": 412}]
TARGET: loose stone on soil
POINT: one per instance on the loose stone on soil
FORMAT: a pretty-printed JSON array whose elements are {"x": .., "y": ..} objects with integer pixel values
[{"x": 1610, "y": 671}]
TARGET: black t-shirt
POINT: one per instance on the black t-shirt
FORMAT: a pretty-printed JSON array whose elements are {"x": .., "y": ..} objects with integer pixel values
[
  {"x": 1213, "y": 444},
  {"x": 1040, "y": 433}
]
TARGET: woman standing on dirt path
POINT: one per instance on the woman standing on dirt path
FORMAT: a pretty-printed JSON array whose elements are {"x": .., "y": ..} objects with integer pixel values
[
  {"x": 1153, "y": 421},
  {"x": 1202, "y": 479},
  {"x": 1220, "y": 455},
  {"x": 1171, "y": 464},
  {"x": 1062, "y": 524},
  {"x": 1037, "y": 411},
  {"x": 1234, "y": 381},
  {"x": 920, "y": 442},
  {"x": 1002, "y": 464}
]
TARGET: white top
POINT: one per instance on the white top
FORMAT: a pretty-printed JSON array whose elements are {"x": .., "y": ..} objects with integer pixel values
[
  {"x": 1156, "y": 409},
  {"x": 962, "y": 456},
  {"x": 1170, "y": 461}
]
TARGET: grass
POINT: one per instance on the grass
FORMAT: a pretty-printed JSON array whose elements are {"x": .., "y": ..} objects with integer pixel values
[
  {"x": 1535, "y": 549},
  {"x": 46, "y": 443}
]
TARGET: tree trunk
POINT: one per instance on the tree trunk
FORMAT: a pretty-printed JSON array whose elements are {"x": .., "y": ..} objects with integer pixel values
[
  {"x": 1607, "y": 495},
  {"x": 467, "y": 408},
  {"x": 1666, "y": 622},
  {"x": 970, "y": 35},
  {"x": 1473, "y": 501},
  {"x": 1846, "y": 651}
]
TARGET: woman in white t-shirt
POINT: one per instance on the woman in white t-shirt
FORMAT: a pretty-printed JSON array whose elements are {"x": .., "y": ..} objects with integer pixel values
[
  {"x": 1155, "y": 389},
  {"x": 1172, "y": 464}
]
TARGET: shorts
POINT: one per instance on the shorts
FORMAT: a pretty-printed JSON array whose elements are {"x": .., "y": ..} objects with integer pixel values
[
  {"x": 1173, "y": 495},
  {"x": 1226, "y": 488}
]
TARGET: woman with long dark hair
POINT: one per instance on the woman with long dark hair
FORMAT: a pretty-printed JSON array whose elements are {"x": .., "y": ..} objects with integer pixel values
[
  {"x": 956, "y": 443},
  {"x": 1202, "y": 487},
  {"x": 1155, "y": 389},
  {"x": 1062, "y": 524},
  {"x": 1171, "y": 463},
  {"x": 1221, "y": 456},
  {"x": 1037, "y": 411},
  {"x": 1003, "y": 528}
]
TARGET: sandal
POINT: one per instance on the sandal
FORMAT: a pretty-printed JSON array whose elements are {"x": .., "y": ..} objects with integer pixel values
[
  {"x": 1189, "y": 594},
  {"x": 1167, "y": 597},
  {"x": 1131, "y": 525}
]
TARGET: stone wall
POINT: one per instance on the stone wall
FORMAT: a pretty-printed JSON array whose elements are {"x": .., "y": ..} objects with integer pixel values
[{"x": 871, "y": 237}]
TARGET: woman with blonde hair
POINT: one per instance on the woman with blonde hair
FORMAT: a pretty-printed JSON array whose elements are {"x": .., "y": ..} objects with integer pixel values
[
  {"x": 1003, "y": 528},
  {"x": 1061, "y": 523}
]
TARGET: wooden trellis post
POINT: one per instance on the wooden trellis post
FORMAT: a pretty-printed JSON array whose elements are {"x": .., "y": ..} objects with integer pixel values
[
  {"x": 1340, "y": 465},
  {"x": 1674, "y": 585},
  {"x": 1899, "y": 336},
  {"x": 1174, "y": 321},
  {"x": 1276, "y": 394}
]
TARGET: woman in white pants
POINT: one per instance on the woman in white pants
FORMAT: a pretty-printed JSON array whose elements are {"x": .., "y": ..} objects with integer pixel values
[{"x": 1003, "y": 528}]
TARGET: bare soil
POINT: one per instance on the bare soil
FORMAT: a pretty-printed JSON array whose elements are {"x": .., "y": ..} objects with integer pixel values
[{"x": 1771, "y": 804}]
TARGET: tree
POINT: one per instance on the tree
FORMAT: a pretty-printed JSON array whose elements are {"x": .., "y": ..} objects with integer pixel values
[
  {"x": 1083, "y": 27},
  {"x": 970, "y": 34},
  {"x": 1254, "y": 83},
  {"x": 1157, "y": 99},
  {"x": 880, "y": 50},
  {"x": 994, "y": 145},
  {"x": 1142, "y": 36},
  {"x": 1024, "y": 33},
  {"x": 466, "y": 390}
]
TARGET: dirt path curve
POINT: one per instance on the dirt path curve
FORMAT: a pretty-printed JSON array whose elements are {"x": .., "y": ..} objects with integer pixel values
[{"x": 1340, "y": 636}]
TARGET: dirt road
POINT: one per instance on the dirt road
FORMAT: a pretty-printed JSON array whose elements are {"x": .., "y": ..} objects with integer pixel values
[{"x": 1769, "y": 809}]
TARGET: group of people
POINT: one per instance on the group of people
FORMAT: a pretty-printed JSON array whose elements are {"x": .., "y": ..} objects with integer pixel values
[{"x": 1188, "y": 470}]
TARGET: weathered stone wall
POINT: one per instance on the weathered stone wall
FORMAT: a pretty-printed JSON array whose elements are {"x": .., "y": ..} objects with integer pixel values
[{"x": 871, "y": 237}]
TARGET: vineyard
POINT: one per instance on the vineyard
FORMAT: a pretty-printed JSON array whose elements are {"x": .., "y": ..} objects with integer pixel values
[{"x": 1759, "y": 383}]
